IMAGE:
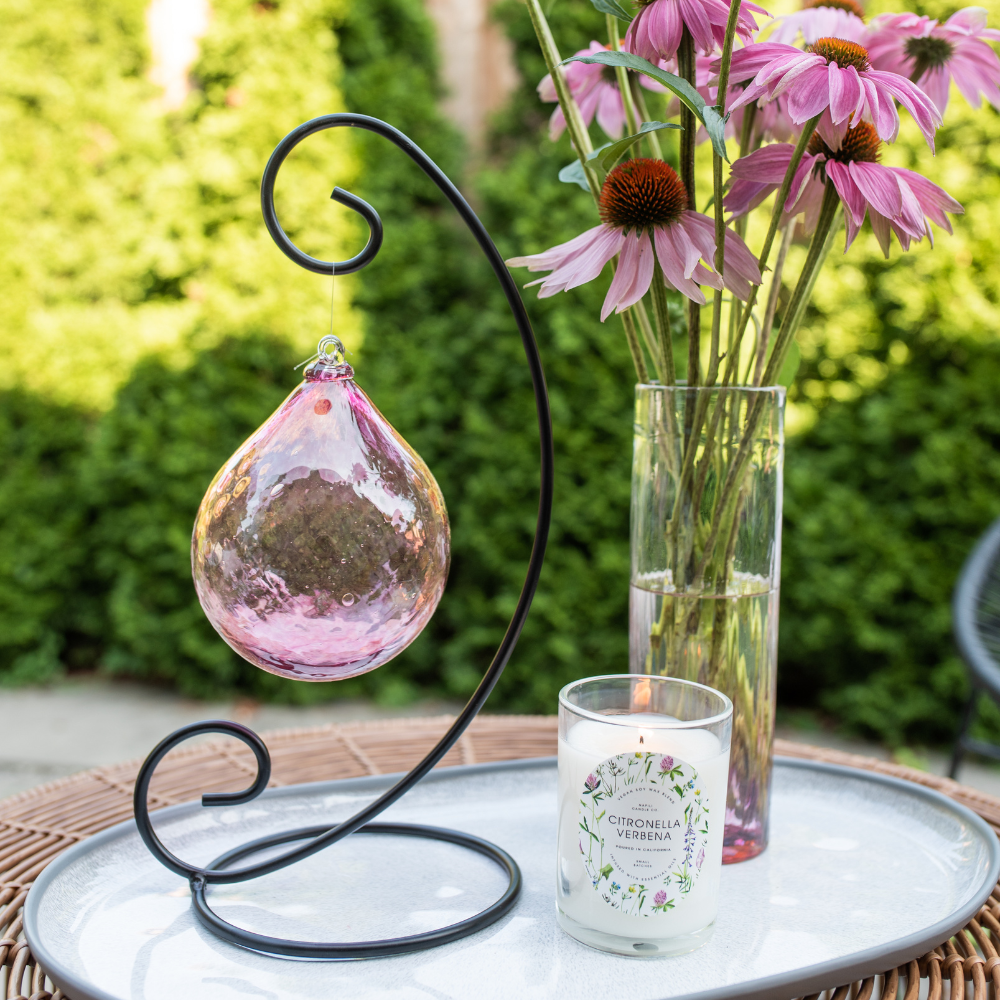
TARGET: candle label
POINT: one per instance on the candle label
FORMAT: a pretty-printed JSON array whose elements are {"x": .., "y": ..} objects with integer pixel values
[{"x": 643, "y": 831}]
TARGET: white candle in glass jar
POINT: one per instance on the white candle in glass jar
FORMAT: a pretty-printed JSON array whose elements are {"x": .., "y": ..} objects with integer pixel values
[{"x": 641, "y": 818}]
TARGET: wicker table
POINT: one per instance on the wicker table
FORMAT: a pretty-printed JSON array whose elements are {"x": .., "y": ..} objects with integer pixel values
[{"x": 37, "y": 825}]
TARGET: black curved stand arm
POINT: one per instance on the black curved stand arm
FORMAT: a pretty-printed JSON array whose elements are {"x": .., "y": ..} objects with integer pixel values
[{"x": 315, "y": 839}]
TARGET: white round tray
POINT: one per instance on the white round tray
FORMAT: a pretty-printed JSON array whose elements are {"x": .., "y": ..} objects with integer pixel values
[{"x": 864, "y": 872}]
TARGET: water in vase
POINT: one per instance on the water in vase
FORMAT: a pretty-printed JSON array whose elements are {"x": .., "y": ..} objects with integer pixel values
[{"x": 729, "y": 642}]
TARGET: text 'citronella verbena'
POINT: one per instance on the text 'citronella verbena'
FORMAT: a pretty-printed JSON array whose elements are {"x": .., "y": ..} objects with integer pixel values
[{"x": 321, "y": 548}]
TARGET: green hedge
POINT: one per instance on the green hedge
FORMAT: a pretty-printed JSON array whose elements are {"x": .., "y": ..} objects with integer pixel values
[
  {"x": 48, "y": 620},
  {"x": 885, "y": 494},
  {"x": 884, "y": 498},
  {"x": 150, "y": 459},
  {"x": 444, "y": 361}
]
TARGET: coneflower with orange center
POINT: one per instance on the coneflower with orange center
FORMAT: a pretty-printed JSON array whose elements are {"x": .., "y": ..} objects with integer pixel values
[
  {"x": 656, "y": 30},
  {"x": 933, "y": 55},
  {"x": 645, "y": 220},
  {"x": 821, "y": 19},
  {"x": 833, "y": 79},
  {"x": 850, "y": 6},
  {"x": 896, "y": 200}
]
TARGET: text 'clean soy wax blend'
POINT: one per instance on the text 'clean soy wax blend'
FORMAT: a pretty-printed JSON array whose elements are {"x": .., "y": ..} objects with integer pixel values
[{"x": 643, "y": 770}]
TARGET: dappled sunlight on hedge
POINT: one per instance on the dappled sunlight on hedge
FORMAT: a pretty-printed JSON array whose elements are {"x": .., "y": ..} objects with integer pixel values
[{"x": 124, "y": 230}]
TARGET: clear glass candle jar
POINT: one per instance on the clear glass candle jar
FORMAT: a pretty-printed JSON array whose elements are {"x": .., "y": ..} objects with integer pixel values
[{"x": 643, "y": 771}]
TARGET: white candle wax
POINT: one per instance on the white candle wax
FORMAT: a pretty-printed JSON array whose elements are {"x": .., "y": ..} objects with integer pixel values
[{"x": 644, "y": 848}]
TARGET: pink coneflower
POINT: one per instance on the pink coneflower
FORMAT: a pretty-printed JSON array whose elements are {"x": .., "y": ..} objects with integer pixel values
[
  {"x": 934, "y": 54},
  {"x": 895, "y": 199},
  {"x": 835, "y": 75},
  {"x": 771, "y": 120},
  {"x": 704, "y": 70},
  {"x": 706, "y": 67},
  {"x": 821, "y": 19},
  {"x": 770, "y": 123},
  {"x": 643, "y": 205},
  {"x": 596, "y": 92},
  {"x": 655, "y": 32}
]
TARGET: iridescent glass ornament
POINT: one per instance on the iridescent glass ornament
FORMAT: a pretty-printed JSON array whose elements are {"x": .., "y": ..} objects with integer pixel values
[{"x": 321, "y": 548}]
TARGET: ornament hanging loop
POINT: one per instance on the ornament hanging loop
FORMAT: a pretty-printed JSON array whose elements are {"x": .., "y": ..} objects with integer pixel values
[
  {"x": 338, "y": 353},
  {"x": 329, "y": 364},
  {"x": 338, "y": 356}
]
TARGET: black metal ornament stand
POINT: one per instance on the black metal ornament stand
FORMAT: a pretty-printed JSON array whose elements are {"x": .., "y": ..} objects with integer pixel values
[{"x": 314, "y": 839}]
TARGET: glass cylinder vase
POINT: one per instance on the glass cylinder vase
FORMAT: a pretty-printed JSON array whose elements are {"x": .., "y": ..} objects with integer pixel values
[{"x": 706, "y": 563}]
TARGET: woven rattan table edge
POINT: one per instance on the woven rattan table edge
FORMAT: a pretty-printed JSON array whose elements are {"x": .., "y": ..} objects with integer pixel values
[{"x": 955, "y": 961}]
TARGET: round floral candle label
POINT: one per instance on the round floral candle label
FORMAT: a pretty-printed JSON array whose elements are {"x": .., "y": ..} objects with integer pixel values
[{"x": 643, "y": 831}]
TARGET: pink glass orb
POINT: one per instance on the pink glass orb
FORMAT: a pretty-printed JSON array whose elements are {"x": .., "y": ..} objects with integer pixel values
[{"x": 321, "y": 548}]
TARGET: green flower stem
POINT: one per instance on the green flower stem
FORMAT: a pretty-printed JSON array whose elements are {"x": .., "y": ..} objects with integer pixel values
[
  {"x": 818, "y": 250},
  {"x": 695, "y": 419},
  {"x": 772, "y": 303},
  {"x": 776, "y": 213},
  {"x": 749, "y": 117},
  {"x": 689, "y": 124},
  {"x": 621, "y": 75},
  {"x": 648, "y": 336},
  {"x": 720, "y": 623},
  {"x": 640, "y": 103},
  {"x": 713, "y": 349},
  {"x": 727, "y": 54},
  {"x": 734, "y": 314},
  {"x": 641, "y": 374},
  {"x": 574, "y": 119},
  {"x": 740, "y": 226},
  {"x": 707, "y": 458},
  {"x": 583, "y": 146},
  {"x": 667, "y": 371},
  {"x": 804, "y": 299},
  {"x": 717, "y": 185},
  {"x": 720, "y": 255}
]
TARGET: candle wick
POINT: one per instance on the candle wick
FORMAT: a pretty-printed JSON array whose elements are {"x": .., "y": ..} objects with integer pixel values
[{"x": 642, "y": 739}]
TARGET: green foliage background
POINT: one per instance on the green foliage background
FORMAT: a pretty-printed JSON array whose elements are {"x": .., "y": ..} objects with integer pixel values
[
  {"x": 150, "y": 325},
  {"x": 896, "y": 473}
]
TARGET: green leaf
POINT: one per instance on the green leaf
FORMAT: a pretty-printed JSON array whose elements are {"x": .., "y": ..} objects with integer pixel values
[
  {"x": 715, "y": 126},
  {"x": 573, "y": 173},
  {"x": 706, "y": 114},
  {"x": 611, "y": 152},
  {"x": 612, "y": 7}
]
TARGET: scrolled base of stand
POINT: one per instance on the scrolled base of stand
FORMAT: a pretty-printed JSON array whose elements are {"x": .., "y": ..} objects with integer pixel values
[
  {"x": 330, "y": 951},
  {"x": 647, "y": 948}
]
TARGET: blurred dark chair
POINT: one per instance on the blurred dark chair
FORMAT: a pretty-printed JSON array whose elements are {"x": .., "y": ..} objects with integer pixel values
[{"x": 976, "y": 623}]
